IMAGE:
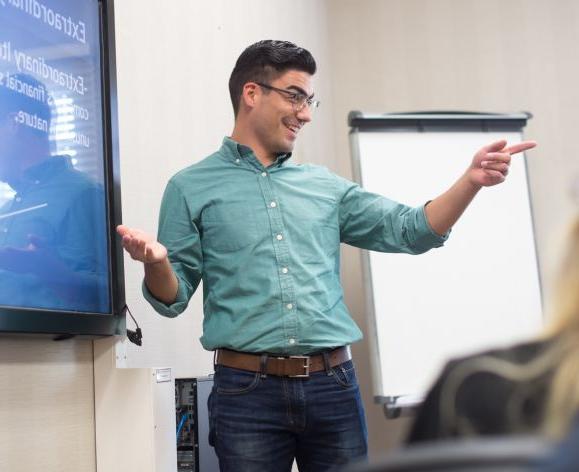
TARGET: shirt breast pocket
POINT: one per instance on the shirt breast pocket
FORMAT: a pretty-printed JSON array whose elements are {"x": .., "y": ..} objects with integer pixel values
[{"x": 229, "y": 226}]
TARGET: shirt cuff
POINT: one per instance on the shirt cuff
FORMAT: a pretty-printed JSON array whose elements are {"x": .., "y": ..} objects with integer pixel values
[
  {"x": 172, "y": 310},
  {"x": 441, "y": 238},
  {"x": 424, "y": 237}
]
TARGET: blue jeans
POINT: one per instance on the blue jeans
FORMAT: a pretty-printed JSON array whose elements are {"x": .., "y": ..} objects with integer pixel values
[{"x": 261, "y": 424}]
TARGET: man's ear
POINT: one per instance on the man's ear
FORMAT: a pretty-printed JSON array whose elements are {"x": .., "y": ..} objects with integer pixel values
[{"x": 250, "y": 94}]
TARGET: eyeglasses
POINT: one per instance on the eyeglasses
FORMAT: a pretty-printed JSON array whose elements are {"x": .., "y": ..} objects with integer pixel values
[{"x": 297, "y": 99}]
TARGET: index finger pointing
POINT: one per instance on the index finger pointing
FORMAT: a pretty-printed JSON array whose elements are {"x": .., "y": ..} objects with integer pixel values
[
  {"x": 496, "y": 146},
  {"x": 520, "y": 147}
]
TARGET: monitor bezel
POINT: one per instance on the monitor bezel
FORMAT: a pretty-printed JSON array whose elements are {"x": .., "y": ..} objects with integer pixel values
[{"x": 64, "y": 324}]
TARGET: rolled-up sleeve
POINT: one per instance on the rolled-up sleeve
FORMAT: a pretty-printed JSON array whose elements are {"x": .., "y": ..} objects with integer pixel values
[
  {"x": 179, "y": 233},
  {"x": 371, "y": 221}
]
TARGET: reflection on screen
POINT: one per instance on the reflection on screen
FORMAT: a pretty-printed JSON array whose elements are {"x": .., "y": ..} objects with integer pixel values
[{"x": 53, "y": 230}]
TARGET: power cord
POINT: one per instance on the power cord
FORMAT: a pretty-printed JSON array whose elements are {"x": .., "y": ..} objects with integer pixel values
[{"x": 136, "y": 337}]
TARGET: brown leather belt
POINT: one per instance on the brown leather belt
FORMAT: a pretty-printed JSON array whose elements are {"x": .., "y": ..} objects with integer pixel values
[{"x": 290, "y": 366}]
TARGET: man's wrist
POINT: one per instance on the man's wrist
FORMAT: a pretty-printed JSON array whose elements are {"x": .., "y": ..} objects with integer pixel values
[
  {"x": 157, "y": 267},
  {"x": 156, "y": 263},
  {"x": 471, "y": 185}
]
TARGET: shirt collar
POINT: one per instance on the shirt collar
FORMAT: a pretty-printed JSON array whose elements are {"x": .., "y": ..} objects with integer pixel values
[{"x": 233, "y": 150}]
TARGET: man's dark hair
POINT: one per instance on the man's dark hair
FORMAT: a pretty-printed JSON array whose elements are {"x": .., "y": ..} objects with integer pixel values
[{"x": 265, "y": 61}]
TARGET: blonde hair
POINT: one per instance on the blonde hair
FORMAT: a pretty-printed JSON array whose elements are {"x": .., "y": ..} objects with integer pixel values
[{"x": 563, "y": 402}]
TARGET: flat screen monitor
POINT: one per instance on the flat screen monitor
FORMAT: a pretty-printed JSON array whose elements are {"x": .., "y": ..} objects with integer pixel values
[{"x": 60, "y": 263}]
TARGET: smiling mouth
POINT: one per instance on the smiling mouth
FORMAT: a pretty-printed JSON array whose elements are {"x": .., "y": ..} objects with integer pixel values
[{"x": 293, "y": 128}]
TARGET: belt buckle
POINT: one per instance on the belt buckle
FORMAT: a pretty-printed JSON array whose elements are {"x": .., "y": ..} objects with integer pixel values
[{"x": 306, "y": 366}]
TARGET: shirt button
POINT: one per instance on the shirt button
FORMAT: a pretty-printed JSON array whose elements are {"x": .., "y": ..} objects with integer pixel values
[
  {"x": 4, "y": 230},
  {"x": 18, "y": 199},
  {"x": 264, "y": 174},
  {"x": 273, "y": 204},
  {"x": 291, "y": 341},
  {"x": 289, "y": 306},
  {"x": 285, "y": 270},
  {"x": 279, "y": 237},
  {"x": 237, "y": 161}
]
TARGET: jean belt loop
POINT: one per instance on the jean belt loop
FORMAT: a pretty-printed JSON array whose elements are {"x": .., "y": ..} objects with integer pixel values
[
  {"x": 263, "y": 366},
  {"x": 327, "y": 366},
  {"x": 215, "y": 356}
]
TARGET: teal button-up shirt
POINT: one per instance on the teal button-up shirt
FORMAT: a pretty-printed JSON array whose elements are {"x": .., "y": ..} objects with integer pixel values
[{"x": 265, "y": 242}]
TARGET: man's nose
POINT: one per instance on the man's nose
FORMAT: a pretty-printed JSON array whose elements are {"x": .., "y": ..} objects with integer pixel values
[{"x": 305, "y": 114}]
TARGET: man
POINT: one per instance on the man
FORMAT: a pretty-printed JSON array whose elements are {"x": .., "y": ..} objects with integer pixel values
[
  {"x": 263, "y": 234},
  {"x": 50, "y": 212}
]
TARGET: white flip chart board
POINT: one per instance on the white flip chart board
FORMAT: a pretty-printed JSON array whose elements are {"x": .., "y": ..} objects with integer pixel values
[{"x": 482, "y": 288}]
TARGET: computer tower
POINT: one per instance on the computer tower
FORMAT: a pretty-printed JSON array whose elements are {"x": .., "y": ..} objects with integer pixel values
[{"x": 194, "y": 454}]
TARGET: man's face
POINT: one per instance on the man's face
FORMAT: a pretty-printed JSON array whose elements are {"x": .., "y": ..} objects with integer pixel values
[{"x": 276, "y": 120}]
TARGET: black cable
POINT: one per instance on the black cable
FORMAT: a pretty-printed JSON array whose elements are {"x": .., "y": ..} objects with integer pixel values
[
  {"x": 62, "y": 337},
  {"x": 136, "y": 337}
]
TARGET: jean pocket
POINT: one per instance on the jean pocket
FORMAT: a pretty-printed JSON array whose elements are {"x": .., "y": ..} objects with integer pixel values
[
  {"x": 345, "y": 374},
  {"x": 212, "y": 413},
  {"x": 234, "y": 381}
]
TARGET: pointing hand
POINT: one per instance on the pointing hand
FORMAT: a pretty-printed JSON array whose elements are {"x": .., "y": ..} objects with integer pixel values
[{"x": 490, "y": 165}]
